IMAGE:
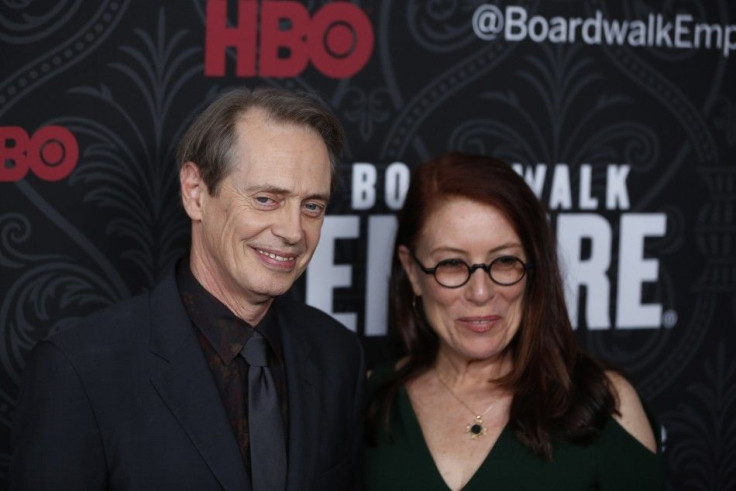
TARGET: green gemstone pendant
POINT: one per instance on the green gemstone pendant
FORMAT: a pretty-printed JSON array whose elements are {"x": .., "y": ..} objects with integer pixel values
[{"x": 476, "y": 428}]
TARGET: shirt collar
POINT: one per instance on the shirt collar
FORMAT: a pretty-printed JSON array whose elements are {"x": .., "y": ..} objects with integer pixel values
[{"x": 226, "y": 332}]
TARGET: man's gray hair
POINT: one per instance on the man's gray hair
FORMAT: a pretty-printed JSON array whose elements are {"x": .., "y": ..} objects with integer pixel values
[{"x": 210, "y": 140}]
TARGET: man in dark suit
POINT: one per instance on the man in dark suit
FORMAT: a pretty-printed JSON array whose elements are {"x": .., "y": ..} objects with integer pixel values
[{"x": 164, "y": 391}]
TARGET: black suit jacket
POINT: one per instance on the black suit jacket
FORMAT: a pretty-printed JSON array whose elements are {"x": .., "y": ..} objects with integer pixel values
[{"x": 126, "y": 401}]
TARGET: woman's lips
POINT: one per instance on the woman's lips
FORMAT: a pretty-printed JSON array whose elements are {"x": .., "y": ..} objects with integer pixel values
[{"x": 479, "y": 324}]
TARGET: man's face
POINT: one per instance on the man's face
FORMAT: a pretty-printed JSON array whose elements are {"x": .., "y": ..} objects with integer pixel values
[{"x": 256, "y": 237}]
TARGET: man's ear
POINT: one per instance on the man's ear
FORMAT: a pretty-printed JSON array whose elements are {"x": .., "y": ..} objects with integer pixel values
[
  {"x": 410, "y": 268},
  {"x": 192, "y": 189}
]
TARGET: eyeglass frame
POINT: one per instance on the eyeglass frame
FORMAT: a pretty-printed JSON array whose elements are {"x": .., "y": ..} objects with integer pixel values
[{"x": 472, "y": 268}]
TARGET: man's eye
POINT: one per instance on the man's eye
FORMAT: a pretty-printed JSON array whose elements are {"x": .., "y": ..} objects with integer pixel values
[
  {"x": 264, "y": 200},
  {"x": 313, "y": 207}
]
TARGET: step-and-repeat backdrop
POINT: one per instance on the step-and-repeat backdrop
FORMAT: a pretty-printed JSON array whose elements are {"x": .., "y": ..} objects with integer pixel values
[{"x": 620, "y": 115}]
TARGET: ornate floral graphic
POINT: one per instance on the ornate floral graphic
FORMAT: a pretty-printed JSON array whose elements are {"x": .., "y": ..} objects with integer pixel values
[
  {"x": 136, "y": 179},
  {"x": 367, "y": 109},
  {"x": 126, "y": 77},
  {"x": 705, "y": 427},
  {"x": 725, "y": 119},
  {"x": 130, "y": 179}
]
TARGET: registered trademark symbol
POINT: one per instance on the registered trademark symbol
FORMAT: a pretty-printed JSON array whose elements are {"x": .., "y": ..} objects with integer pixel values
[{"x": 669, "y": 319}]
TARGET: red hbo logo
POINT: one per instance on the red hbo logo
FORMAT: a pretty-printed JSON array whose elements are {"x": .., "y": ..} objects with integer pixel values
[
  {"x": 51, "y": 153},
  {"x": 338, "y": 39}
]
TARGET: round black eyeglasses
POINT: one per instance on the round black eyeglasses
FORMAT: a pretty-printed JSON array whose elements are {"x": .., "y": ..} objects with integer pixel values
[{"x": 454, "y": 273}]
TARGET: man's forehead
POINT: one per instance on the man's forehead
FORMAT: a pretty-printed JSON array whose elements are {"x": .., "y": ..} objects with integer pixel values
[
  {"x": 277, "y": 188},
  {"x": 248, "y": 177},
  {"x": 279, "y": 156}
]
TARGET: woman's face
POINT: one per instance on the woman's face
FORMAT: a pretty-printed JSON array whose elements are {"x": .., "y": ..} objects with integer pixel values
[{"x": 478, "y": 320}]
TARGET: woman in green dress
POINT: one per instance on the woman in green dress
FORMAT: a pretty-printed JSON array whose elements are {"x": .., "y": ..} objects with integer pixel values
[{"x": 493, "y": 392}]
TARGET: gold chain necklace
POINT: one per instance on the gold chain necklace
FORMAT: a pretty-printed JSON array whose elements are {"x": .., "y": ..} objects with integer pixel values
[{"x": 476, "y": 429}]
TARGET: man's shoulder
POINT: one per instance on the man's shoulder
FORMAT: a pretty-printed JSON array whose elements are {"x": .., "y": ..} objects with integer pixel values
[
  {"x": 316, "y": 327},
  {"x": 297, "y": 308},
  {"x": 309, "y": 317},
  {"x": 124, "y": 322},
  {"x": 122, "y": 319}
]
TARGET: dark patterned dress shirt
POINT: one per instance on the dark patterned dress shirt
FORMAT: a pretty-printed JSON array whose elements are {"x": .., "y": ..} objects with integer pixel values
[{"x": 222, "y": 335}]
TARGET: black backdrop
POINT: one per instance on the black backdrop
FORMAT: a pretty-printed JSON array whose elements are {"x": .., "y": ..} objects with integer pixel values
[{"x": 621, "y": 115}]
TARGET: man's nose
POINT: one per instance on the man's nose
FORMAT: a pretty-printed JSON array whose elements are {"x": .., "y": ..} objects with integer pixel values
[{"x": 288, "y": 226}]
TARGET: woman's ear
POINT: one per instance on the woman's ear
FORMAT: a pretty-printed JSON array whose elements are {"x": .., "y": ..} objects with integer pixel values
[{"x": 410, "y": 268}]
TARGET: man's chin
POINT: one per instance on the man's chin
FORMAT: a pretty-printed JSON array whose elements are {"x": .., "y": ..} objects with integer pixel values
[{"x": 272, "y": 290}]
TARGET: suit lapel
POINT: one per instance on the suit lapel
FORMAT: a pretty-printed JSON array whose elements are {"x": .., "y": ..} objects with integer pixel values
[
  {"x": 303, "y": 382},
  {"x": 184, "y": 382}
]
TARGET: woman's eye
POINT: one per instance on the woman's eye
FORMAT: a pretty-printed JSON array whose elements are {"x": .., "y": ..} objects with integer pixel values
[
  {"x": 451, "y": 264},
  {"x": 507, "y": 262}
]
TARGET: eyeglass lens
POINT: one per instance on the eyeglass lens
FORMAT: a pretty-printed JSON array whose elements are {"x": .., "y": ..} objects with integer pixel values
[{"x": 505, "y": 270}]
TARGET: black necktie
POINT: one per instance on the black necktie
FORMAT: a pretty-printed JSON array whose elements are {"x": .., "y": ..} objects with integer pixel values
[{"x": 265, "y": 427}]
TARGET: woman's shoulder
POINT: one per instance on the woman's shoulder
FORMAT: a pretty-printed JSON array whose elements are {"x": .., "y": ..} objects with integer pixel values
[
  {"x": 380, "y": 373},
  {"x": 382, "y": 370},
  {"x": 630, "y": 413}
]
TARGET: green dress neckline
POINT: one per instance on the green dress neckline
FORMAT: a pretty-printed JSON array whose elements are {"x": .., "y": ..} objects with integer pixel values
[{"x": 416, "y": 436}]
